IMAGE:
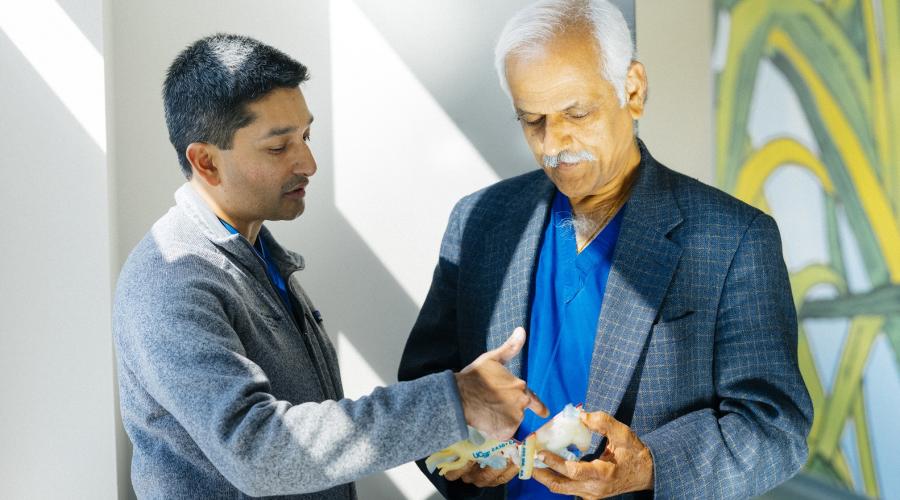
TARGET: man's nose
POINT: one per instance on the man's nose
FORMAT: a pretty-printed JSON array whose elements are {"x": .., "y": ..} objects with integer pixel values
[
  {"x": 305, "y": 162},
  {"x": 556, "y": 136}
]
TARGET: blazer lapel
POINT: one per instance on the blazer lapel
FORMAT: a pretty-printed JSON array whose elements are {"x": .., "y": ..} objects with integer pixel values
[
  {"x": 644, "y": 262},
  {"x": 523, "y": 231}
]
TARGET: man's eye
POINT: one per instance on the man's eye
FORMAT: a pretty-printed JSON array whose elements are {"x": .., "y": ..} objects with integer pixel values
[
  {"x": 578, "y": 116},
  {"x": 277, "y": 150},
  {"x": 532, "y": 122},
  {"x": 307, "y": 138}
]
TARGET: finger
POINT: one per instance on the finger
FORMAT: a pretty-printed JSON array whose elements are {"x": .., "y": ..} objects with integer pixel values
[
  {"x": 601, "y": 423},
  {"x": 489, "y": 476},
  {"x": 479, "y": 472},
  {"x": 536, "y": 405},
  {"x": 508, "y": 473},
  {"x": 482, "y": 477},
  {"x": 554, "y": 462},
  {"x": 509, "y": 349},
  {"x": 453, "y": 475},
  {"x": 572, "y": 470},
  {"x": 577, "y": 471},
  {"x": 597, "y": 469},
  {"x": 555, "y": 482}
]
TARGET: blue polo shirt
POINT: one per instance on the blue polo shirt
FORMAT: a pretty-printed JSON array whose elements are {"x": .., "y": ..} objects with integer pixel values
[
  {"x": 271, "y": 269},
  {"x": 565, "y": 309}
]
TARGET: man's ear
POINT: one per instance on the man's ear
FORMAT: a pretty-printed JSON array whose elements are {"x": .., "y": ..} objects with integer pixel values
[
  {"x": 204, "y": 158},
  {"x": 636, "y": 89}
]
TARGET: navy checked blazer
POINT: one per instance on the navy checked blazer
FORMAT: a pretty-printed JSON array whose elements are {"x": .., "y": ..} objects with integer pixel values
[{"x": 696, "y": 345}]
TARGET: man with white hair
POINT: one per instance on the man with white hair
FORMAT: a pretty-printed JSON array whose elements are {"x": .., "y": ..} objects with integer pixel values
[{"x": 661, "y": 303}]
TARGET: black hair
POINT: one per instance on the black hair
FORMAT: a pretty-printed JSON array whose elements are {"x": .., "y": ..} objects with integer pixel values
[{"x": 210, "y": 84}]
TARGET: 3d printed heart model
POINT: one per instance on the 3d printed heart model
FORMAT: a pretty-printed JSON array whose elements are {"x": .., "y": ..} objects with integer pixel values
[{"x": 563, "y": 435}]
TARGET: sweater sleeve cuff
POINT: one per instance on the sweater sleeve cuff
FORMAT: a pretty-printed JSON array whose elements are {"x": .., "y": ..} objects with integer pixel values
[{"x": 454, "y": 401}]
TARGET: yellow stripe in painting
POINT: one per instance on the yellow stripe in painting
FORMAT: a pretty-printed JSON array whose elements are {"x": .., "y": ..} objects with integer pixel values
[
  {"x": 873, "y": 200},
  {"x": 747, "y": 19},
  {"x": 771, "y": 156}
]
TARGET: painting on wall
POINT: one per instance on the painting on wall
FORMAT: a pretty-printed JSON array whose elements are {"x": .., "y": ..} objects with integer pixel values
[{"x": 808, "y": 130}]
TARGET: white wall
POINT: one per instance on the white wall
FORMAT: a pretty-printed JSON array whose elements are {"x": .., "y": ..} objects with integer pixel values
[
  {"x": 674, "y": 41},
  {"x": 56, "y": 398}
]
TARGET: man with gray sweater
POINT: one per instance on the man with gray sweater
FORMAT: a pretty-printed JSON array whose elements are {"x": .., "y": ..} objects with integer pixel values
[{"x": 229, "y": 385}]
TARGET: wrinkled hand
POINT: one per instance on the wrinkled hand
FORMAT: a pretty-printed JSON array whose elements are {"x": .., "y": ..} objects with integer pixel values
[
  {"x": 626, "y": 464},
  {"x": 484, "y": 478},
  {"x": 493, "y": 400}
]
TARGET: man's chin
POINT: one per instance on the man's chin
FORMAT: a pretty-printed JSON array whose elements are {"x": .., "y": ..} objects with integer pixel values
[
  {"x": 569, "y": 187},
  {"x": 297, "y": 213},
  {"x": 290, "y": 214}
]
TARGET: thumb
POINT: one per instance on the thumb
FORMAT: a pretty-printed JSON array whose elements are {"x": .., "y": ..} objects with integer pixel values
[
  {"x": 509, "y": 349},
  {"x": 554, "y": 462},
  {"x": 603, "y": 424}
]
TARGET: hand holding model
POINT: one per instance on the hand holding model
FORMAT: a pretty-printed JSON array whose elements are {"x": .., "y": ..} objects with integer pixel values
[{"x": 626, "y": 464}]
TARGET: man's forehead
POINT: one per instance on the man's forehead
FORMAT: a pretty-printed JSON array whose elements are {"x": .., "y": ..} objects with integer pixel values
[
  {"x": 536, "y": 78},
  {"x": 279, "y": 99},
  {"x": 557, "y": 85},
  {"x": 279, "y": 112},
  {"x": 551, "y": 93}
]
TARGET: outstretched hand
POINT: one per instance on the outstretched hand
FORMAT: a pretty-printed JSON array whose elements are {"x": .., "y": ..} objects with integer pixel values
[
  {"x": 493, "y": 400},
  {"x": 626, "y": 464}
]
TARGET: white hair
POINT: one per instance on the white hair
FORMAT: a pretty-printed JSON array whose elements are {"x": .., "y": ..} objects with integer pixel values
[
  {"x": 532, "y": 27},
  {"x": 578, "y": 224}
]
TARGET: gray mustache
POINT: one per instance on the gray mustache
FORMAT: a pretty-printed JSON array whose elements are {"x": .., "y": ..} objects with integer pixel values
[{"x": 567, "y": 157}]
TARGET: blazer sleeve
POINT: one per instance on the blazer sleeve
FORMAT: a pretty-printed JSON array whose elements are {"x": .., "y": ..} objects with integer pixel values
[
  {"x": 755, "y": 437},
  {"x": 433, "y": 343}
]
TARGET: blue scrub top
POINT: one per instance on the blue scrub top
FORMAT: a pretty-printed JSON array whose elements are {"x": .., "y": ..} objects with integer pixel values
[
  {"x": 565, "y": 310},
  {"x": 271, "y": 269}
]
